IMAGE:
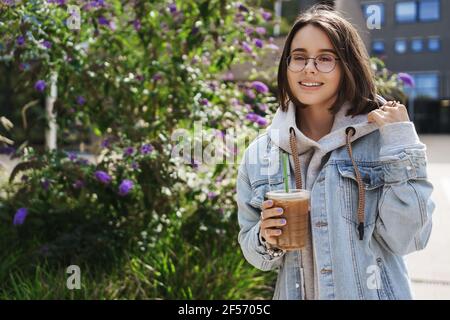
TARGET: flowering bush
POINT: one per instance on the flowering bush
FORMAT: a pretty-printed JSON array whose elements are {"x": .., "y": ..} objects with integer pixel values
[{"x": 134, "y": 73}]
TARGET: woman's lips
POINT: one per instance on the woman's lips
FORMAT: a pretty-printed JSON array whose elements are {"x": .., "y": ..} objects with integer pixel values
[{"x": 306, "y": 88}]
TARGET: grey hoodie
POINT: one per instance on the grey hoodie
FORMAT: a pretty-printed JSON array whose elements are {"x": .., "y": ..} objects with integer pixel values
[{"x": 313, "y": 156}]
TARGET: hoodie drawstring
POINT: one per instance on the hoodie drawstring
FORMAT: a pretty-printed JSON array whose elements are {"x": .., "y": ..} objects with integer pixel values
[
  {"x": 297, "y": 169},
  {"x": 350, "y": 131}
]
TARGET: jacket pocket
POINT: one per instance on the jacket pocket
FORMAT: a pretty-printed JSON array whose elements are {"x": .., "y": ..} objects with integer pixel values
[
  {"x": 261, "y": 187},
  {"x": 373, "y": 179},
  {"x": 385, "y": 292}
]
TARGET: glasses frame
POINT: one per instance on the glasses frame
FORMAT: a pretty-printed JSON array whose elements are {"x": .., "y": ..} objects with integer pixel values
[{"x": 315, "y": 63}]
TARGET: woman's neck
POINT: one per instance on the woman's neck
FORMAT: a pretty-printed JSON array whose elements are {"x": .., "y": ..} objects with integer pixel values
[{"x": 314, "y": 121}]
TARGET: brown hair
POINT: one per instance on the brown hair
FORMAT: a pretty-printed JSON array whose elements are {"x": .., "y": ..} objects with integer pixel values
[{"x": 357, "y": 83}]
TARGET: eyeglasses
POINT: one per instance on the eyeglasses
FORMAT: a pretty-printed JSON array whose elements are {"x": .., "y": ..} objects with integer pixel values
[{"x": 324, "y": 63}]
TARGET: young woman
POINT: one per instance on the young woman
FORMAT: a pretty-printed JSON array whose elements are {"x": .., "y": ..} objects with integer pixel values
[{"x": 358, "y": 155}]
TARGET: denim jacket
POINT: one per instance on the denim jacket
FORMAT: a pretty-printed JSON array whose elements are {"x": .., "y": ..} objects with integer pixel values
[{"x": 398, "y": 208}]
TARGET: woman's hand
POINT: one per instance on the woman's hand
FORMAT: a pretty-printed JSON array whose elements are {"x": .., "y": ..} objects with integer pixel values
[
  {"x": 390, "y": 112},
  {"x": 270, "y": 220}
]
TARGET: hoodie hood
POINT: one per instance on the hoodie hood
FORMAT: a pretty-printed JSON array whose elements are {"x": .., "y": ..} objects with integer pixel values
[{"x": 279, "y": 133}]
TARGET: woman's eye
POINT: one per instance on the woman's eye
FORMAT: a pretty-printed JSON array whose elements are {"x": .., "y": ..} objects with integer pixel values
[
  {"x": 325, "y": 58},
  {"x": 299, "y": 58}
]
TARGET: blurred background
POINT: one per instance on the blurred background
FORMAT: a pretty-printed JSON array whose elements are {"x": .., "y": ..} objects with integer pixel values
[{"x": 91, "y": 94}]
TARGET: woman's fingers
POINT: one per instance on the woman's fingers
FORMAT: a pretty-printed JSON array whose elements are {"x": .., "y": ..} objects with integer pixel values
[
  {"x": 270, "y": 234},
  {"x": 270, "y": 213},
  {"x": 270, "y": 223},
  {"x": 267, "y": 204}
]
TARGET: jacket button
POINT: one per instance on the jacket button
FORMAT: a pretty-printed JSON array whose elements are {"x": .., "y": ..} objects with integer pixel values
[
  {"x": 321, "y": 224},
  {"x": 325, "y": 271}
]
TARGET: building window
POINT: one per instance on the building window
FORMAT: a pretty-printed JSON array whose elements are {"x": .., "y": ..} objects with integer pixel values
[
  {"x": 426, "y": 85},
  {"x": 434, "y": 44},
  {"x": 365, "y": 6},
  {"x": 377, "y": 46},
  {"x": 400, "y": 46},
  {"x": 429, "y": 10},
  {"x": 417, "y": 45},
  {"x": 405, "y": 11}
]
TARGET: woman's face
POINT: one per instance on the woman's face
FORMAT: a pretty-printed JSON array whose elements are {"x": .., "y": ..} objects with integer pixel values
[{"x": 311, "y": 41}]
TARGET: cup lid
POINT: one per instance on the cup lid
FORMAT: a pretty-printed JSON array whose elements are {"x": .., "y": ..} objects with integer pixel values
[{"x": 292, "y": 194}]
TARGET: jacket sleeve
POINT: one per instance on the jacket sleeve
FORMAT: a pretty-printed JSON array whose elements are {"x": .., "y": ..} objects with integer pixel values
[
  {"x": 405, "y": 207},
  {"x": 249, "y": 220}
]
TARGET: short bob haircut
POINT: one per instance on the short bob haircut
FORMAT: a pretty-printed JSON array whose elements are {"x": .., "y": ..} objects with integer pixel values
[{"x": 357, "y": 83}]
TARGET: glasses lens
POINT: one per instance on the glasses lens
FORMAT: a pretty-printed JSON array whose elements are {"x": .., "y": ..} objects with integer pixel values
[
  {"x": 325, "y": 63},
  {"x": 296, "y": 62}
]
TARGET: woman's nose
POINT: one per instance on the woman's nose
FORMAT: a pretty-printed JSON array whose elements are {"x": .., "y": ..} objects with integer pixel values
[{"x": 310, "y": 65}]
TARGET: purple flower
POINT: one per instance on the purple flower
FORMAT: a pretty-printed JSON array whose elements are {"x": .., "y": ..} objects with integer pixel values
[
  {"x": 103, "y": 21},
  {"x": 262, "y": 106},
  {"x": 243, "y": 8},
  {"x": 249, "y": 93},
  {"x": 172, "y": 8},
  {"x": 261, "y": 121},
  {"x": 194, "y": 31},
  {"x": 146, "y": 148},
  {"x": 128, "y": 151},
  {"x": 258, "y": 43},
  {"x": 103, "y": 177},
  {"x": 204, "y": 102},
  {"x": 81, "y": 100},
  {"x": 106, "y": 143},
  {"x": 78, "y": 184},
  {"x": 45, "y": 184},
  {"x": 40, "y": 85},
  {"x": 72, "y": 156},
  {"x": 19, "y": 217},
  {"x": 157, "y": 77},
  {"x": 20, "y": 40},
  {"x": 228, "y": 76},
  {"x": 112, "y": 25},
  {"x": 266, "y": 15},
  {"x": 47, "y": 44},
  {"x": 137, "y": 25},
  {"x": 260, "y": 87},
  {"x": 261, "y": 30},
  {"x": 125, "y": 187},
  {"x": 239, "y": 17},
  {"x": 251, "y": 116},
  {"x": 273, "y": 46},
  {"x": 247, "y": 48},
  {"x": 406, "y": 79},
  {"x": 212, "y": 195},
  {"x": 249, "y": 31},
  {"x": 58, "y": 2},
  {"x": 135, "y": 165}
]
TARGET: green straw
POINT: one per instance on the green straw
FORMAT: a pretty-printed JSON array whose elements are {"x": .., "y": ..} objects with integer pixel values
[{"x": 285, "y": 160}]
